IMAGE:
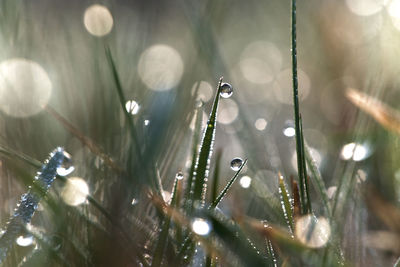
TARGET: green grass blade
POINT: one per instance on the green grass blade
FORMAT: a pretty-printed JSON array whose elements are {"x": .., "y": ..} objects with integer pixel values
[
  {"x": 215, "y": 182},
  {"x": 317, "y": 179},
  {"x": 270, "y": 253},
  {"x": 226, "y": 188},
  {"x": 303, "y": 163},
  {"x": 286, "y": 205},
  {"x": 195, "y": 143},
  {"x": 205, "y": 152},
  {"x": 163, "y": 237},
  {"x": 234, "y": 239},
  {"x": 296, "y": 110},
  {"x": 136, "y": 144},
  {"x": 30, "y": 200}
]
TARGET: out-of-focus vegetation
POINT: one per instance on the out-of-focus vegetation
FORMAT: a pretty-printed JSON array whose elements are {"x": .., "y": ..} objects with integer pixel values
[{"x": 170, "y": 169}]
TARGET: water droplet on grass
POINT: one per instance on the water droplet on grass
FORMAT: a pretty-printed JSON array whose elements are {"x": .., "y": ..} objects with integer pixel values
[
  {"x": 236, "y": 163},
  {"x": 226, "y": 90},
  {"x": 66, "y": 167},
  {"x": 179, "y": 175},
  {"x": 24, "y": 241}
]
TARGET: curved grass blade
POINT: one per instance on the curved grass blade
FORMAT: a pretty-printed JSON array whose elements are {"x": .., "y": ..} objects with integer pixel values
[
  {"x": 296, "y": 199},
  {"x": 318, "y": 181},
  {"x": 226, "y": 188},
  {"x": 286, "y": 206},
  {"x": 162, "y": 240},
  {"x": 199, "y": 183},
  {"x": 30, "y": 200},
  {"x": 149, "y": 170}
]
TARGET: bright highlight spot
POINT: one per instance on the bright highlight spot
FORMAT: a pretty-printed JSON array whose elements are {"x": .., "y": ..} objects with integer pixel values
[
  {"x": 25, "y": 87},
  {"x": 228, "y": 111},
  {"x": 313, "y": 232},
  {"x": 24, "y": 241},
  {"x": 245, "y": 182},
  {"x": 132, "y": 107},
  {"x": 98, "y": 20},
  {"x": 289, "y": 131},
  {"x": 160, "y": 67},
  {"x": 75, "y": 191},
  {"x": 260, "y": 124},
  {"x": 354, "y": 151},
  {"x": 201, "y": 226}
]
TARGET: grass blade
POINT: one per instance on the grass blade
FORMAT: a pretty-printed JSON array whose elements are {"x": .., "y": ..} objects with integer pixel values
[
  {"x": 287, "y": 208},
  {"x": 226, "y": 188},
  {"x": 144, "y": 164},
  {"x": 162, "y": 241},
  {"x": 214, "y": 188},
  {"x": 297, "y": 119},
  {"x": 30, "y": 200},
  {"x": 195, "y": 143},
  {"x": 93, "y": 147},
  {"x": 234, "y": 239},
  {"x": 317, "y": 178},
  {"x": 202, "y": 163}
]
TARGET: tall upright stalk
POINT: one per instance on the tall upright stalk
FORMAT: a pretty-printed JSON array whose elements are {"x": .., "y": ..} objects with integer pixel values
[{"x": 299, "y": 143}]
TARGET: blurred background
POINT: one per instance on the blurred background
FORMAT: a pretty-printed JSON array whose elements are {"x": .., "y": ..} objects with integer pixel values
[{"x": 169, "y": 55}]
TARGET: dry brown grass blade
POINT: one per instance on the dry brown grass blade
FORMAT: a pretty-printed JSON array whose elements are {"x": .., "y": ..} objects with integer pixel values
[
  {"x": 382, "y": 113},
  {"x": 95, "y": 149}
]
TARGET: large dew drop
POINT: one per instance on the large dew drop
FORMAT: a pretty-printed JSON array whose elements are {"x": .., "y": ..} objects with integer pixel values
[
  {"x": 226, "y": 90},
  {"x": 236, "y": 163},
  {"x": 66, "y": 167},
  {"x": 24, "y": 241}
]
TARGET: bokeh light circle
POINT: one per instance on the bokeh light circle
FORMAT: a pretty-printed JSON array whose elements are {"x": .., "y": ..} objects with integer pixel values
[
  {"x": 25, "y": 87},
  {"x": 160, "y": 67},
  {"x": 98, "y": 20}
]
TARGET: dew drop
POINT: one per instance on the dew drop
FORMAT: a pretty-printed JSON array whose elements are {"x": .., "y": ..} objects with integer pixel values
[
  {"x": 132, "y": 107},
  {"x": 24, "y": 241},
  {"x": 66, "y": 166},
  {"x": 201, "y": 226},
  {"x": 146, "y": 122},
  {"x": 179, "y": 175},
  {"x": 236, "y": 163},
  {"x": 226, "y": 90}
]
